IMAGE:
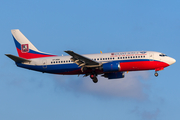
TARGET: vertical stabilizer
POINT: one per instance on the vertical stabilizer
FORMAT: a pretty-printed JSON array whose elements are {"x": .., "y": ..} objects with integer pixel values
[{"x": 25, "y": 48}]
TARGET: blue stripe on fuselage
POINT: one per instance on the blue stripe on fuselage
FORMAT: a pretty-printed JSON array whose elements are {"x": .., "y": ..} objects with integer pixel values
[
  {"x": 61, "y": 68},
  {"x": 58, "y": 68}
]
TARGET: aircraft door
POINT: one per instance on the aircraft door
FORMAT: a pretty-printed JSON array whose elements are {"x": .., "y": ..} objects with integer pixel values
[
  {"x": 44, "y": 63},
  {"x": 151, "y": 57}
]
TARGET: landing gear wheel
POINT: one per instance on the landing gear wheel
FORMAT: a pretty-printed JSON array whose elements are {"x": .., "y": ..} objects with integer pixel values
[
  {"x": 156, "y": 74},
  {"x": 94, "y": 78}
]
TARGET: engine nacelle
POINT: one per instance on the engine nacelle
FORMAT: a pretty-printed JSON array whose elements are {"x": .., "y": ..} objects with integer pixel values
[
  {"x": 114, "y": 75},
  {"x": 111, "y": 67}
]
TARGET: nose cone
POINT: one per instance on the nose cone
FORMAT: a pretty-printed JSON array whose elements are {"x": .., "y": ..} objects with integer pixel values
[{"x": 172, "y": 61}]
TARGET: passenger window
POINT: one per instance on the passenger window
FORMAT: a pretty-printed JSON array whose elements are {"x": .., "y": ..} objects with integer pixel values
[
  {"x": 138, "y": 56},
  {"x": 120, "y": 57},
  {"x": 110, "y": 58},
  {"x": 113, "y": 58},
  {"x": 133, "y": 56},
  {"x": 97, "y": 58}
]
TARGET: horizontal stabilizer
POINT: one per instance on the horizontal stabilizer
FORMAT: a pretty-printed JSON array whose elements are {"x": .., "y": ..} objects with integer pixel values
[{"x": 17, "y": 59}]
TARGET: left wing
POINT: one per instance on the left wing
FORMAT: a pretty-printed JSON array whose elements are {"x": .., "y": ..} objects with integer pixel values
[{"x": 82, "y": 61}]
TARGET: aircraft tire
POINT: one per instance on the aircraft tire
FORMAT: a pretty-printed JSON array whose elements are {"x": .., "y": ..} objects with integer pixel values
[
  {"x": 95, "y": 80},
  {"x": 156, "y": 74}
]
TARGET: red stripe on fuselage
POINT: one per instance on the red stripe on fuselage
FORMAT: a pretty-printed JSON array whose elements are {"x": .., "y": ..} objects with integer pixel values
[
  {"x": 142, "y": 65},
  {"x": 31, "y": 55},
  {"x": 126, "y": 66}
]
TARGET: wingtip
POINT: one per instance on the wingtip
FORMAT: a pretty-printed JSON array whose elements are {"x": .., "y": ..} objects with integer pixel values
[
  {"x": 68, "y": 51},
  {"x": 7, "y": 54}
]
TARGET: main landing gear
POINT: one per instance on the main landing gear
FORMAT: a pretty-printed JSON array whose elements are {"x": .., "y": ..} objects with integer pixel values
[
  {"x": 156, "y": 74},
  {"x": 94, "y": 78}
]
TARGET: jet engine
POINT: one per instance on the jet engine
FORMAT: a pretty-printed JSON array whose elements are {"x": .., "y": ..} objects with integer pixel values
[
  {"x": 114, "y": 75},
  {"x": 111, "y": 67}
]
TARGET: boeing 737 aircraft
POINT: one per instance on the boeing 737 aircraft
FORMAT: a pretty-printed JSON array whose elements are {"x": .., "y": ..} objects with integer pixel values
[{"x": 109, "y": 65}]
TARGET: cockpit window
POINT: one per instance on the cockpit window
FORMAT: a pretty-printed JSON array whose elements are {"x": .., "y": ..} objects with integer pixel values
[{"x": 162, "y": 55}]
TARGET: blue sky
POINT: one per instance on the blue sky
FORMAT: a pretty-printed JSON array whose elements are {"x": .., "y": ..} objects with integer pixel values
[{"x": 90, "y": 27}]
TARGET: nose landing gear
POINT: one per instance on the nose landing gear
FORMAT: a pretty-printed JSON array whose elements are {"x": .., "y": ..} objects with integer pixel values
[
  {"x": 94, "y": 78},
  {"x": 158, "y": 69},
  {"x": 156, "y": 74}
]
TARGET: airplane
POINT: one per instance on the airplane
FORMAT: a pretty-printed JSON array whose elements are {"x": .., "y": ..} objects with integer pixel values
[{"x": 109, "y": 65}]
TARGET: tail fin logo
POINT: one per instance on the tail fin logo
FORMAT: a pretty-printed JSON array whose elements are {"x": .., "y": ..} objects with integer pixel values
[{"x": 24, "y": 48}]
